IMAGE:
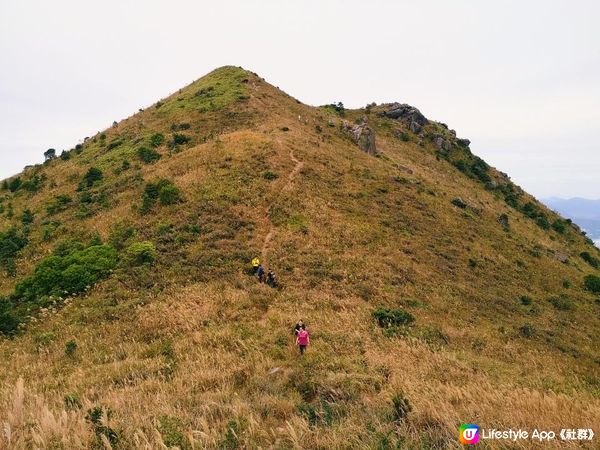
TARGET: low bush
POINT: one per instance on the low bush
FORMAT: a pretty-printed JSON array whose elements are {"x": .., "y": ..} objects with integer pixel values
[
  {"x": 114, "y": 144},
  {"x": 157, "y": 139},
  {"x": 141, "y": 253},
  {"x": 179, "y": 139},
  {"x": 58, "y": 204},
  {"x": 9, "y": 321},
  {"x": 588, "y": 258},
  {"x": 120, "y": 234},
  {"x": 70, "y": 349},
  {"x": 268, "y": 175},
  {"x": 91, "y": 177},
  {"x": 592, "y": 283},
  {"x": 392, "y": 317},
  {"x": 163, "y": 190},
  {"x": 525, "y": 300},
  {"x": 561, "y": 302},
  {"x": 169, "y": 194},
  {"x": 148, "y": 155},
  {"x": 559, "y": 226},
  {"x": 27, "y": 217},
  {"x": 15, "y": 184},
  {"x": 11, "y": 243}
]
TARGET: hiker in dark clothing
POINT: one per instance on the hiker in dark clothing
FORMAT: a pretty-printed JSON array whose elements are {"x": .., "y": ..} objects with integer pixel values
[
  {"x": 271, "y": 278},
  {"x": 299, "y": 326},
  {"x": 261, "y": 274}
]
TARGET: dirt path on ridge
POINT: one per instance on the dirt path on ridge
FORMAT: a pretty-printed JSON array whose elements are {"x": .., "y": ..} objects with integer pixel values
[{"x": 288, "y": 185}]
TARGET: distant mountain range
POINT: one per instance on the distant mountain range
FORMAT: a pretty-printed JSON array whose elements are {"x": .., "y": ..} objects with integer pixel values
[{"x": 583, "y": 211}]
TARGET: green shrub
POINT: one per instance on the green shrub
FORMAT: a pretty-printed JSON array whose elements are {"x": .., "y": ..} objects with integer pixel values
[
  {"x": 34, "y": 183},
  {"x": 27, "y": 217},
  {"x": 268, "y": 175},
  {"x": 592, "y": 283},
  {"x": 179, "y": 139},
  {"x": 70, "y": 348},
  {"x": 92, "y": 176},
  {"x": 120, "y": 234},
  {"x": 157, "y": 139},
  {"x": 525, "y": 300},
  {"x": 163, "y": 190},
  {"x": 11, "y": 243},
  {"x": 66, "y": 275},
  {"x": 15, "y": 184},
  {"x": 559, "y": 226},
  {"x": 114, "y": 144},
  {"x": 588, "y": 258},
  {"x": 392, "y": 317},
  {"x": 9, "y": 321},
  {"x": 59, "y": 203},
  {"x": 542, "y": 222},
  {"x": 148, "y": 155},
  {"x": 141, "y": 253},
  {"x": 169, "y": 194},
  {"x": 561, "y": 302}
]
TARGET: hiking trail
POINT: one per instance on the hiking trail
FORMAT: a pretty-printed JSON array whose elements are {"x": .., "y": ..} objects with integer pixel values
[{"x": 288, "y": 185}]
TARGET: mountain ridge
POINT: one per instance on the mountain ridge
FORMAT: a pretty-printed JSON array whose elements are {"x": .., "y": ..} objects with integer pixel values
[{"x": 368, "y": 217}]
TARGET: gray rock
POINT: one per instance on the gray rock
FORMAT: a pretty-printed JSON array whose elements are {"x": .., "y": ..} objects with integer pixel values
[
  {"x": 363, "y": 135},
  {"x": 406, "y": 113},
  {"x": 415, "y": 127},
  {"x": 563, "y": 258},
  {"x": 463, "y": 142},
  {"x": 459, "y": 202}
]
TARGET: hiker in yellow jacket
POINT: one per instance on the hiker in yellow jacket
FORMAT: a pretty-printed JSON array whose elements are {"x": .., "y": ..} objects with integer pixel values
[{"x": 255, "y": 265}]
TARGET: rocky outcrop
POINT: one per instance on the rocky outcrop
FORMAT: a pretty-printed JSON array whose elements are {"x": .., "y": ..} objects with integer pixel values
[
  {"x": 363, "y": 135},
  {"x": 441, "y": 143},
  {"x": 409, "y": 115}
]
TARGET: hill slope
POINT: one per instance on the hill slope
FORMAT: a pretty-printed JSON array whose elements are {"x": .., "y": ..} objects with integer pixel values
[{"x": 125, "y": 268}]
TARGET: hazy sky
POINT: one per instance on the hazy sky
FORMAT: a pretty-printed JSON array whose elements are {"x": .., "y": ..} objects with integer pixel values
[{"x": 521, "y": 79}]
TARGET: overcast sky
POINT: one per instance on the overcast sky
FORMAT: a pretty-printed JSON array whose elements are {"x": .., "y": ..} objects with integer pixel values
[{"x": 521, "y": 79}]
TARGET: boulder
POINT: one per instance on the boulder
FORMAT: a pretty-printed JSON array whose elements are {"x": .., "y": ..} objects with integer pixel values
[
  {"x": 441, "y": 143},
  {"x": 363, "y": 135},
  {"x": 459, "y": 202},
  {"x": 415, "y": 127}
]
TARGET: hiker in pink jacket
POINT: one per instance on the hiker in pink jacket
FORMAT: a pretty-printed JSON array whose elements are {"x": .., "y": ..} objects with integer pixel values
[{"x": 302, "y": 340}]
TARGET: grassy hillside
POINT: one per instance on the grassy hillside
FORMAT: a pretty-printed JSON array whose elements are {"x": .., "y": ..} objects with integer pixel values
[{"x": 131, "y": 320}]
